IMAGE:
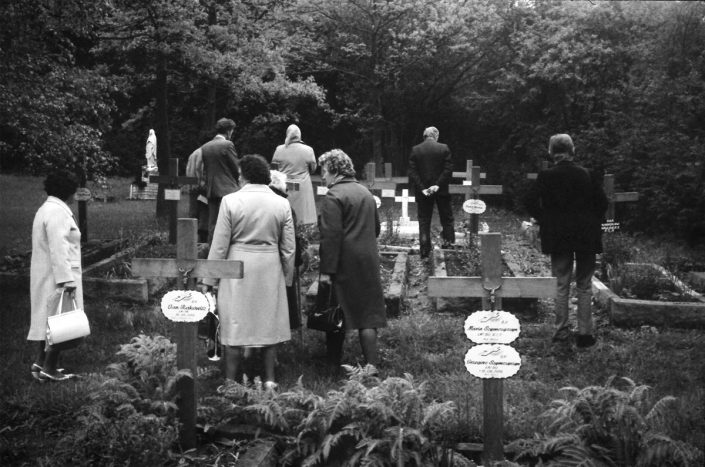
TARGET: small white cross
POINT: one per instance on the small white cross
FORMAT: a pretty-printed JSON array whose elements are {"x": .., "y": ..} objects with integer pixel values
[{"x": 404, "y": 200}]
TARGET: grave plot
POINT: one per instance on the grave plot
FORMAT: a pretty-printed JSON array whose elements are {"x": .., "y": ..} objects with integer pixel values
[
  {"x": 14, "y": 270},
  {"x": 393, "y": 270},
  {"x": 466, "y": 263},
  {"x": 646, "y": 294}
]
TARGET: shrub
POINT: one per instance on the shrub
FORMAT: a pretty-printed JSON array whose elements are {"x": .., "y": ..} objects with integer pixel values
[{"x": 607, "y": 426}]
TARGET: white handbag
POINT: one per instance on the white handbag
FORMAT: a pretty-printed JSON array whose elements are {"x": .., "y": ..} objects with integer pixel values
[{"x": 66, "y": 326}]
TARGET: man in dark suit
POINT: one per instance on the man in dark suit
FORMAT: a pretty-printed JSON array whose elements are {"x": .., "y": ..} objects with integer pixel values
[
  {"x": 569, "y": 203},
  {"x": 430, "y": 171},
  {"x": 221, "y": 169}
]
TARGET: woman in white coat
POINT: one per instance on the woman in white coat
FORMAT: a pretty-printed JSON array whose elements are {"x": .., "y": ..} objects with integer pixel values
[
  {"x": 254, "y": 226},
  {"x": 297, "y": 161},
  {"x": 55, "y": 268}
]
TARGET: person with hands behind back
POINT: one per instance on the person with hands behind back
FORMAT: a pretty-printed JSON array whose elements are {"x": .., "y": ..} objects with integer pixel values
[{"x": 55, "y": 268}]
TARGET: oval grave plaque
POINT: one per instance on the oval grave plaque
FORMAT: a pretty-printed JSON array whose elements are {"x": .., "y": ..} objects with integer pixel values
[
  {"x": 82, "y": 194},
  {"x": 474, "y": 206},
  {"x": 492, "y": 327},
  {"x": 492, "y": 361},
  {"x": 187, "y": 306}
]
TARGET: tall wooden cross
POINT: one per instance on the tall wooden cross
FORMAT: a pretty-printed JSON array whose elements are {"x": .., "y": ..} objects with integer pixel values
[
  {"x": 491, "y": 286},
  {"x": 472, "y": 190},
  {"x": 534, "y": 175},
  {"x": 187, "y": 267},
  {"x": 386, "y": 182},
  {"x": 172, "y": 192},
  {"x": 467, "y": 175},
  {"x": 612, "y": 198}
]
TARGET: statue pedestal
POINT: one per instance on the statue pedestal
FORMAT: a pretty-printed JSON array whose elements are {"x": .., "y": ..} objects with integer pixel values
[{"x": 145, "y": 190}]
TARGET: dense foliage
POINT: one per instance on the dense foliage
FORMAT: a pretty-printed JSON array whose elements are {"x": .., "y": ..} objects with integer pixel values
[{"x": 82, "y": 82}]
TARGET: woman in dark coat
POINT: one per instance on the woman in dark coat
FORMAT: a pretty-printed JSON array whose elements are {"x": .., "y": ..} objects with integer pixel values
[{"x": 349, "y": 225}]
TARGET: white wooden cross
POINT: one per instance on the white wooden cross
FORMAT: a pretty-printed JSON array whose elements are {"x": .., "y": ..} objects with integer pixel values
[
  {"x": 491, "y": 286},
  {"x": 187, "y": 267},
  {"x": 404, "y": 199},
  {"x": 467, "y": 175},
  {"x": 612, "y": 197}
]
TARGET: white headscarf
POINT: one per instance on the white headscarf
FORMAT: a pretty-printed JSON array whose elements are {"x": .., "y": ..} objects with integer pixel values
[{"x": 293, "y": 133}]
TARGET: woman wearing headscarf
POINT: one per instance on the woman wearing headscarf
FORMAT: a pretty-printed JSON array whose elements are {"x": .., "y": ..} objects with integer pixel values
[
  {"x": 349, "y": 226},
  {"x": 297, "y": 161},
  {"x": 55, "y": 268},
  {"x": 254, "y": 226}
]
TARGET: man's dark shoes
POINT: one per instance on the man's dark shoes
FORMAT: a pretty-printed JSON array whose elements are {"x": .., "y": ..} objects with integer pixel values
[{"x": 585, "y": 340}]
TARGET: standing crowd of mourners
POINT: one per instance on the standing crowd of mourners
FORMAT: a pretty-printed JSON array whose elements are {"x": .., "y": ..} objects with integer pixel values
[{"x": 246, "y": 213}]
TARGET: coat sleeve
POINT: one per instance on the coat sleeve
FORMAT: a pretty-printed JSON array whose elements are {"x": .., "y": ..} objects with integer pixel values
[
  {"x": 221, "y": 238},
  {"x": 231, "y": 160},
  {"x": 413, "y": 171},
  {"x": 447, "y": 173},
  {"x": 287, "y": 246},
  {"x": 58, "y": 226},
  {"x": 331, "y": 227},
  {"x": 532, "y": 201},
  {"x": 312, "y": 165}
]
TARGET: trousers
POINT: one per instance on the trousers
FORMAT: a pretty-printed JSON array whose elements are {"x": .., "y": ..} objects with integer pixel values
[
  {"x": 562, "y": 267},
  {"x": 424, "y": 205}
]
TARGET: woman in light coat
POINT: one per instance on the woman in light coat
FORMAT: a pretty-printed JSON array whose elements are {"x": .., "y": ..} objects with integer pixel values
[
  {"x": 254, "y": 226},
  {"x": 55, "y": 268},
  {"x": 297, "y": 161}
]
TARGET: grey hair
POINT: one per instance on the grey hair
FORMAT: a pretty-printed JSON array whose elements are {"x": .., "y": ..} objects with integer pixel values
[
  {"x": 431, "y": 132},
  {"x": 337, "y": 162}
]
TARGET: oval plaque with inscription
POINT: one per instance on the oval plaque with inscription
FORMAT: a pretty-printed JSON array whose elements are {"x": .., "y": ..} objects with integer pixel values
[
  {"x": 82, "y": 194},
  {"x": 474, "y": 206},
  {"x": 187, "y": 306},
  {"x": 492, "y": 361},
  {"x": 492, "y": 327}
]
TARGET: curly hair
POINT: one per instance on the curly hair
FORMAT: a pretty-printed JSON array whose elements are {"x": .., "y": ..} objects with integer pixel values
[
  {"x": 255, "y": 169},
  {"x": 61, "y": 184},
  {"x": 337, "y": 162}
]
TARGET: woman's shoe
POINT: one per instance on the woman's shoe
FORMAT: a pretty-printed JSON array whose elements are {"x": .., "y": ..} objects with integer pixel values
[{"x": 56, "y": 377}]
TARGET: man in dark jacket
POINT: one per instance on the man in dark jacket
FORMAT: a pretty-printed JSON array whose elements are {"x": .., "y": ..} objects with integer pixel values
[
  {"x": 221, "y": 169},
  {"x": 430, "y": 171},
  {"x": 569, "y": 203}
]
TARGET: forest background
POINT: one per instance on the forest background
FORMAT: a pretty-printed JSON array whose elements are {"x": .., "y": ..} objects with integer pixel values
[{"x": 83, "y": 81}]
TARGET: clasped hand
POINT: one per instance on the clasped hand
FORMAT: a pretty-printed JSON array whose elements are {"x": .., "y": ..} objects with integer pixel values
[{"x": 430, "y": 190}]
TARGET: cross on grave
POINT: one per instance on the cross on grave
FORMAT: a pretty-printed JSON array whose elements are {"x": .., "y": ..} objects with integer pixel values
[
  {"x": 472, "y": 190},
  {"x": 467, "y": 175},
  {"x": 491, "y": 286},
  {"x": 172, "y": 194},
  {"x": 382, "y": 183},
  {"x": 404, "y": 199},
  {"x": 187, "y": 267},
  {"x": 534, "y": 175},
  {"x": 612, "y": 198}
]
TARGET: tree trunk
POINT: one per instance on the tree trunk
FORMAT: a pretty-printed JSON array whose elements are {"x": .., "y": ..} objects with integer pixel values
[{"x": 162, "y": 130}]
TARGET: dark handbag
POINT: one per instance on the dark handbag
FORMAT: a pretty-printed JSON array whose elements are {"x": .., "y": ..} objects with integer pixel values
[{"x": 326, "y": 315}]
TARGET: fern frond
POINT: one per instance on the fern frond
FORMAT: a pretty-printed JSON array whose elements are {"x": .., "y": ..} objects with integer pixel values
[{"x": 658, "y": 416}]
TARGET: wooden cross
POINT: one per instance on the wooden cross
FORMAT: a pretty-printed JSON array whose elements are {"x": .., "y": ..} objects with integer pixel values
[
  {"x": 472, "y": 190},
  {"x": 187, "y": 267},
  {"x": 534, "y": 175},
  {"x": 612, "y": 198},
  {"x": 404, "y": 199},
  {"x": 386, "y": 182},
  {"x": 172, "y": 194},
  {"x": 491, "y": 286},
  {"x": 467, "y": 175}
]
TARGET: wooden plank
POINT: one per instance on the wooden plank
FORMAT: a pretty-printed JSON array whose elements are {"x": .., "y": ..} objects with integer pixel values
[
  {"x": 625, "y": 196},
  {"x": 491, "y": 260},
  {"x": 461, "y": 286},
  {"x": 169, "y": 267},
  {"x": 483, "y": 190}
]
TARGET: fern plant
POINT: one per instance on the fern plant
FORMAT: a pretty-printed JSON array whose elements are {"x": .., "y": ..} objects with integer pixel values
[
  {"x": 607, "y": 426},
  {"x": 373, "y": 422}
]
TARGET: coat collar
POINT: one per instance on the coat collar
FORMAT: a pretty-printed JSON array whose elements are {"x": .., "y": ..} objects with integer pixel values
[
  {"x": 254, "y": 187},
  {"x": 59, "y": 202}
]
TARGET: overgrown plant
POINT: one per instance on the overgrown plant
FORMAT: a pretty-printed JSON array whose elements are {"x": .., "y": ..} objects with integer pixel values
[
  {"x": 374, "y": 422},
  {"x": 607, "y": 426}
]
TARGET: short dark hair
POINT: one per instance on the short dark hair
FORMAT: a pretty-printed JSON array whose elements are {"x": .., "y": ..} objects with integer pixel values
[
  {"x": 255, "y": 169},
  {"x": 224, "y": 125},
  {"x": 61, "y": 184}
]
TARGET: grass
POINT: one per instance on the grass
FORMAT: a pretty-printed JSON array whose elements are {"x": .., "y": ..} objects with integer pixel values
[{"x": 428, "y": 346}]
